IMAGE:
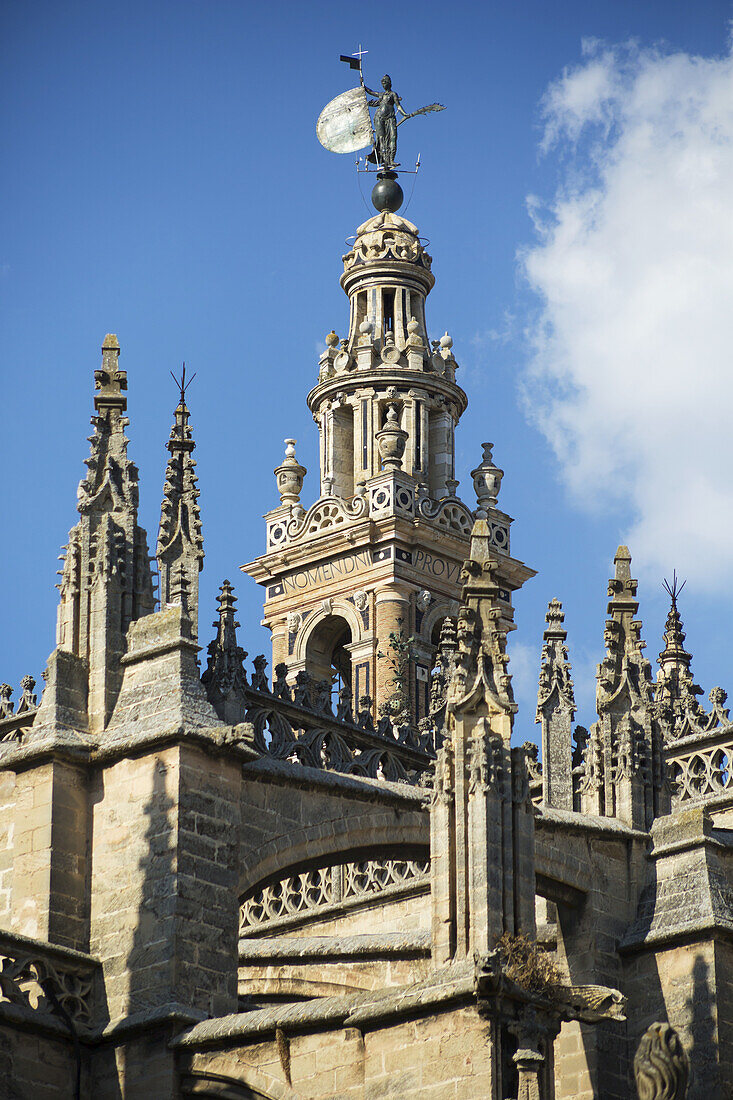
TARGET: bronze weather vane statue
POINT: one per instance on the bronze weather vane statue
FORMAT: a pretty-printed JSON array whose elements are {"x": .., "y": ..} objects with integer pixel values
[{"x": 345, "y": 126}]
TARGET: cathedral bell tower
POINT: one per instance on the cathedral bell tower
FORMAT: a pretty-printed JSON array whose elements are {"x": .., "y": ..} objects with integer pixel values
[{"x": 380, "y": 551}]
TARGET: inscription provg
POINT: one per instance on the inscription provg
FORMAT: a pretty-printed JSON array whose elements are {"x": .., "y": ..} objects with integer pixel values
[{"x": 437, "y": 567}]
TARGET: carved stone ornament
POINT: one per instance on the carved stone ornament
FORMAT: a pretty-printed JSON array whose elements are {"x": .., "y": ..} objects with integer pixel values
[
  {"x": 391, "y": 441},
  {"x": 290, "y": 475},
  {"x": 487, "y": 479},
  {"x": 361, "y": 600},
  {"x": 661, "y": 1065},
  {"x": 295, "y": 620},
  {"x": 424, "y": 599}
]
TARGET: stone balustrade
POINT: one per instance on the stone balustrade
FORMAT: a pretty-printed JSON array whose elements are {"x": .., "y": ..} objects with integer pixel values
[
  {"x": 47, "y": 979},
  {"x": 306, "y": 891}
]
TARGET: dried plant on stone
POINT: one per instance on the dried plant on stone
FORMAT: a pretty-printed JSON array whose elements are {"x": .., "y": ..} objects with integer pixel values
[{"x": 527, "y": 964}]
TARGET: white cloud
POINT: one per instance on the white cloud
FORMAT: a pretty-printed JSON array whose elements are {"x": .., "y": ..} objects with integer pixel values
[{"x": 631, "y": 377}]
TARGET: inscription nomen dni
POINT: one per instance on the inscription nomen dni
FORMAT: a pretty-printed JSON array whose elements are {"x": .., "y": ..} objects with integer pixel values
[
  {"x": 355, "y": 563},
  {"x": 326, "y": 571}
]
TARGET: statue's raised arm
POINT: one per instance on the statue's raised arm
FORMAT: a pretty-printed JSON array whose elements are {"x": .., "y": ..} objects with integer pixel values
[{"x": 387, "y": 103}]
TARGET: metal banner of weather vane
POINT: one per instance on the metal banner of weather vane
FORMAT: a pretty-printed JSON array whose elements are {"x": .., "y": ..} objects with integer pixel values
[{"x": 345, "y": 126}]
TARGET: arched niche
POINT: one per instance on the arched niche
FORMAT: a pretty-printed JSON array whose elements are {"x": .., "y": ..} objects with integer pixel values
[
  {"x": 326, "y": 653},
  {"x": 325, "y": 645},
  {"x": 433, "y": 620}
]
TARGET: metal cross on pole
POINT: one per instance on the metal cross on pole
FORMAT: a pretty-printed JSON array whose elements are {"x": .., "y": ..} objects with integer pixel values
[{"x": 182, "y": 383}]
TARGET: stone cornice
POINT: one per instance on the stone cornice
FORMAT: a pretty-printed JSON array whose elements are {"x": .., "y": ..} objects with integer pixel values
[
  {"x": 383, "y": 377},
  {"x": 216, "y": 739}
]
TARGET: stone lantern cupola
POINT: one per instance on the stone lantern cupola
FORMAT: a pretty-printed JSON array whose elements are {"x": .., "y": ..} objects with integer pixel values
[{"x": 387, "y": 361}]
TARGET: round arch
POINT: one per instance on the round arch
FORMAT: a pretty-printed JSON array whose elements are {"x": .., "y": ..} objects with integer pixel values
[
  {"x": 341, "y": 609},
  {"x": 334, "y": 843},
  {"x": 434, "y": 616}
]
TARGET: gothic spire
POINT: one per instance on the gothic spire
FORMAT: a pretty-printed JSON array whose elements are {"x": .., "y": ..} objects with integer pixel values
[
  {"x": 106, "y": 583},
  {"x": 555, "y": 711},
  {"x": 484, "y": 619},
  {"x": 180, "y": 541},
  {"x": 624, "y": 664},
  {"x": 674, "y": 657},
  {"x": 225, "y": 679},
  {"x": 624, "y": 770},
  {"x": 676, "y": 692},
  {"x": 555, "y": 669}
]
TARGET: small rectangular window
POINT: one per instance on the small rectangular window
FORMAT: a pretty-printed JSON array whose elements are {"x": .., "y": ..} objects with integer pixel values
[{"x": 388, "y": 306}]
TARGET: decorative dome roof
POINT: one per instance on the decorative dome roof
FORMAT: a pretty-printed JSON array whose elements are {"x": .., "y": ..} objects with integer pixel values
[{"x": 387, "y": 237}]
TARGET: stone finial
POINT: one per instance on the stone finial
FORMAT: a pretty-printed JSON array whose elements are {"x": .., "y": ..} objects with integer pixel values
[
  {"x": 719, "y": 713},
  {"x": 6, "y": 706},
  {"x": 555, "y": 668},
  {"x": 674, "y": 653},
  {"x": 303, "y": 691},
  {"x": 480, "y": 674},
  {"x": 675, "y": 691},
  {"x": 225, "y": 679},
  {"x": 344, "y": 711},
  {"x": 110, "y": 382},
  {"x": 290, "y": 475},
  {"x": 440, "y": 677},
  {"x": 28, "y": 699},
  {"x": 364, "y": 716},
  {"x": 627, "y": 734},
  {"x": 661, "y": 1065},
  {"x": 622, "y": 637},
  {"x": 391, "y": 440},
  {"x": 487, "y": 479},
  {"x": 259, "y": 676},
  {"x": 180, "y": 538},
  {"x": 280, "y": 686}
]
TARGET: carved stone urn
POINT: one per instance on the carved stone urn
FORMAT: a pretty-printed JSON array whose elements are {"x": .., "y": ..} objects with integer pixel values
[
  {"x": 487, "y": 479},
  {"x": 391, "y": 441},
  {"x": 290, "y": 476}
]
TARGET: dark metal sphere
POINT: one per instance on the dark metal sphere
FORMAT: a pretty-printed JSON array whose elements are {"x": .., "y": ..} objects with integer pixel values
[{"x": 387, "y": 193}]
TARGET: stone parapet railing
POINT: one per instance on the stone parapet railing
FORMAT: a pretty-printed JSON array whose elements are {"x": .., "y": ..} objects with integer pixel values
[
  {"x": 317, "y": 739},
  {"x": 308, "y": 891},
  {"x": 385, "y": 496},
  {"x": 48, "y": 980},
  {"x": 701, "y": 766}
]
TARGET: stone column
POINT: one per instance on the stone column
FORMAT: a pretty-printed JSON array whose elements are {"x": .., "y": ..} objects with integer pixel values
[
  {"x": 279, "y": 632},
  {"x": 534, "y": 1037},
  {"x": 443, "y": 859},
  {"x": 392, "y": 604}
]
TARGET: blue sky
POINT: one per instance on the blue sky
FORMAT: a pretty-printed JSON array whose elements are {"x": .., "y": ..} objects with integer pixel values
[{"x": 162, "y": 180}]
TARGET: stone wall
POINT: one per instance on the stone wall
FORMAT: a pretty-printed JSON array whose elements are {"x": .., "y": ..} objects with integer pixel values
[
  {"x": 299, "y": 817},
  {"x": 442, "y": 1056},
  {"x": 680, "y": 985},
  {"x": 38, "y": 1067},
  {"x": 164, "y": 901}
]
